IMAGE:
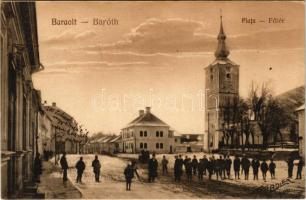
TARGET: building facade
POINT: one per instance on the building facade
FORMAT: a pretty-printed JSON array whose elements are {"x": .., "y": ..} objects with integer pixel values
[
  {"x": 147, "y": 132},
  {"x": 221, "y": 90},
  {"x": 45, "y": 131},
  {"x": 108, "y": 144},
  {"x": 66, "y": 134},
  {"x": 20, "y": 102}
]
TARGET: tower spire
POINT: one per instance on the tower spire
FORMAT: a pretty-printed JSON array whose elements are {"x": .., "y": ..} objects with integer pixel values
[{"x": 222, "y": 52}]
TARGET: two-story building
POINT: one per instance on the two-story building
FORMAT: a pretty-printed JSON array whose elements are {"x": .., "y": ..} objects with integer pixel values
[{"x": 147, "y": 132}]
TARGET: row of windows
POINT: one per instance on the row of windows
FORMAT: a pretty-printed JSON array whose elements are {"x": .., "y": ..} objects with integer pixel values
[
  {"x": 159, "y": 134},
  {"x": 143, "y": 145},
  {"x": 159, "y": 145},
  {"x": 145, "y": 134}
]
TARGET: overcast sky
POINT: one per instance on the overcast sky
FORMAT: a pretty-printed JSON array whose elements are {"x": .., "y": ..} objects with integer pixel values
[{"x": 155, "y": 56}]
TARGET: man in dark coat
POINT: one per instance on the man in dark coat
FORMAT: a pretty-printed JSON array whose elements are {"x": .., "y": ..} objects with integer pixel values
[
  {"x": 177, "y": 169},
  {"x": 205, "y": 163},
  {"x": 80, "y": 166},
  {"x": 200, "y": 169},
  {"x": 195, "y": 163},
  {"x": 129, "y": 175},
  {"x": 237, "y": 163},
  {"x": 64, "y": 166},
  {"x": 218, "y": 167},
  {"x": 152, "y": 168},
  {"x": 300, "y": 168},
  {"x": 96, "y": 168},
  {"x": 37, "y": 168},
  {"x": 181, "y": 163},
  {"x": 272, "y": 167},
  {"x": 228, "y": 165},
  {"x": 245, "y": 163},
  {"x": 189, "y": 170},
  {"x": 290, "y": 166},
  {"x": 210, "y": 167},
  {"x": 222, "y": 169},
  {"x": 264, "y": 168},
  {"x": 185, "y": 162},
  {"x": 213, "y": 164},
  {"x": 255, "y": 165}
]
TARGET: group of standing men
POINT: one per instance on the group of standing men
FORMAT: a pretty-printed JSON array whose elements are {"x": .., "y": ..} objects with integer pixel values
[
  {"x": 221, "y": 167},
  {"x": 80, "y": 167}
]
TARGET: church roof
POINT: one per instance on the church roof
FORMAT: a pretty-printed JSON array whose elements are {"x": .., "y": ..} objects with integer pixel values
[
  {"x": 147, "y": 119},
  {"x": 222, "y": 52}
]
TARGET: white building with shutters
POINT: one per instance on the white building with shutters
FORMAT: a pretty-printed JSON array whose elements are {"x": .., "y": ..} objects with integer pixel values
[{"x": 147, "y": 132}]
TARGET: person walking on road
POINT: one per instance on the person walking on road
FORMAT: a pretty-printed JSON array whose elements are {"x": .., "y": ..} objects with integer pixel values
[
  {"x": 237, "y": 163},
  {"x": 96, "y": 168},
  {"x": 165, "y": 165},
  {"x": 300, "y": 168},
  {"x": 272, "y": 167},
  {"x": 80, "y": 166},
  {"x": 255, "y": 165},
  {"x": 64, "y": 166},
  {"x": 264, "y": 168},
  {"x": 129, "y": 175},
  {"x": 152, "y": 168}
]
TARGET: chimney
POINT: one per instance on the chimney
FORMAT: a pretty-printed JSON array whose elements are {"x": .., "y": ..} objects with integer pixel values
[
  {"x": 53, "y": 104},
  {"x": 148, "y": 109},
  {"x": 141, "y": 112}
]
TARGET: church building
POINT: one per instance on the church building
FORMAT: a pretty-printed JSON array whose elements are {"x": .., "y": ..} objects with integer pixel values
[{"x": 221, "y": 89}]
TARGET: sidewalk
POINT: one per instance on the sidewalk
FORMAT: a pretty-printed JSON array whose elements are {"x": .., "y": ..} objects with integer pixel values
[{"x": 52, "y": 184}]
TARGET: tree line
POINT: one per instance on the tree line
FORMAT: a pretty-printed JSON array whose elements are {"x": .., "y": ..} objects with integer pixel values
[{"x": 260, "y": 114}]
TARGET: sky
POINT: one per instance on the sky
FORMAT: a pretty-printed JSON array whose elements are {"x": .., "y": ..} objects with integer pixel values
[{"x": 156, "y": 54}]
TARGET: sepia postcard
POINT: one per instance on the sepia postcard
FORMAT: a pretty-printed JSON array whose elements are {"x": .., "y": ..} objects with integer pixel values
[{"x": 152, "y": 100}]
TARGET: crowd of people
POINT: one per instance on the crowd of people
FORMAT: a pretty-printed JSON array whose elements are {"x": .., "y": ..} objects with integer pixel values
[{"x": 220, "y": 168}]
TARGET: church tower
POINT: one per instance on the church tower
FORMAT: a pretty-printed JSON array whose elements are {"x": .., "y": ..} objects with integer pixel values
[{"x": 221, "y": 89}]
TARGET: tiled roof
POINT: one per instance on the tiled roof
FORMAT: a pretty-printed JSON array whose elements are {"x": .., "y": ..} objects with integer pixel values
[
  {"x": 116, "y": 139},
  {"x": 301, "y": 108},
  {"x": 147, "y": 119}
]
